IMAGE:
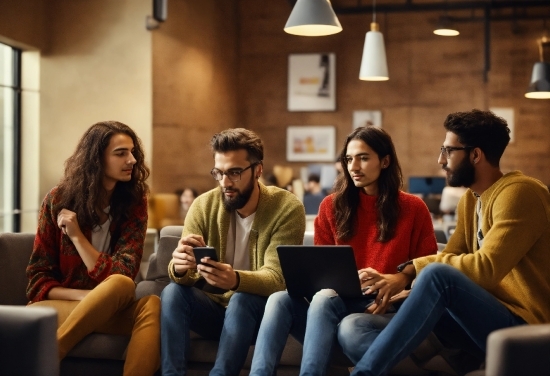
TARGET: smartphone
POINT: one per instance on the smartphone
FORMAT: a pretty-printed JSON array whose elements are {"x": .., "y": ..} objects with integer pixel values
[{"x": 201, "y": 252}]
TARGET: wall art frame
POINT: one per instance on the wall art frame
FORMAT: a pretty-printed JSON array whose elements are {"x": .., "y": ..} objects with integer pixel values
[
  {"x": 312, "y": 82},
  {"x": 311, "y": 143}
]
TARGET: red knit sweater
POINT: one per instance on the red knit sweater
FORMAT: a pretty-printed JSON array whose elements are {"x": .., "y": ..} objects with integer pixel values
[
  {"x": 56, "y": 262},
  {"x": 414, "y": 236}
]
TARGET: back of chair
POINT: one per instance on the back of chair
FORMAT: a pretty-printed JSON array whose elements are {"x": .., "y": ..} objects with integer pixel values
[
  {"x": 28, "y": 341},
  {"x": 15, "y": 251}
]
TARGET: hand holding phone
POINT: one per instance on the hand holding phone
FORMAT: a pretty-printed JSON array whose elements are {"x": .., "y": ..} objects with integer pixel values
[{"x": 201, "y": 252}]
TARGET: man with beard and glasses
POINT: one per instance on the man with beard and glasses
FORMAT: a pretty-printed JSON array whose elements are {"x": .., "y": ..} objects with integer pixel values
[
  {"x": 244, "y": 221},
  {"x": 492, "y": 274}
]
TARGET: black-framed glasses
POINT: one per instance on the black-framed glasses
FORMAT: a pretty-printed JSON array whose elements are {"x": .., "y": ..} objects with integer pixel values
[
  {"x": 446, "y": 150},
  {"x": 233, "y": 174}
]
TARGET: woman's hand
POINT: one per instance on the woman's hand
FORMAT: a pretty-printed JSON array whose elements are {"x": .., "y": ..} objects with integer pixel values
[
  {"x": 68, "y": 223},
  {"x": 388, "y": 286}
]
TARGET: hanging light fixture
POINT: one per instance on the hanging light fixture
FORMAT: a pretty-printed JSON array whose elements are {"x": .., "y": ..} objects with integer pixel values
[
  {"x": 312, "y": 18},
  {"x": 445, "y": 28},
  {"x": 373, "y": 63},
  {"x": 540, "y": 78}
]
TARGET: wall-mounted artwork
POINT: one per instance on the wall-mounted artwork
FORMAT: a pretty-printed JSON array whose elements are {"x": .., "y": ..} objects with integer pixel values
[
  {"x": 507, "y": 113},
  {"x": 310, "y": 143},
  {"x": 367, "y": 117},
  {"x": 312, "y": 82}
]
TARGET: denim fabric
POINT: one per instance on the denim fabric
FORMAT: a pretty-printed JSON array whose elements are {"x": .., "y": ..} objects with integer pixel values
[
  {"x": 313, "y": 324},
  {"x": 185, "y": 308},
  {"x": 242, "y": 322},
  {"x": 438, "y": 289}
]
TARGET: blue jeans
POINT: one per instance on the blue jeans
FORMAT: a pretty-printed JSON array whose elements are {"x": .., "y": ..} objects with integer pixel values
[
  {"x": 312, "y": 324},
  {"x": 439, "y": 289},
  {"x": 185, "y": 309}
]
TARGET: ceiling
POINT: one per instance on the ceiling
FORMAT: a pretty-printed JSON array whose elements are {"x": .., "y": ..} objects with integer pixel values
[{"x": 495, "y": 9}]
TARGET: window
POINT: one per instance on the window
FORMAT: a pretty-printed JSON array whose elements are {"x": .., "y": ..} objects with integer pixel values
[{"x": 10, "y": 115}]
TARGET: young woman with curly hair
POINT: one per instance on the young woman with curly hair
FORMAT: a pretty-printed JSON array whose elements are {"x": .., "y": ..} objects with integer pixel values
[{"x": 89, "y": 243}]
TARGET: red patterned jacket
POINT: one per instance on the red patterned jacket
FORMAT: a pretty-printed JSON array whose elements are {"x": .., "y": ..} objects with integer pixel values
[{"x": 55, "y": 261}]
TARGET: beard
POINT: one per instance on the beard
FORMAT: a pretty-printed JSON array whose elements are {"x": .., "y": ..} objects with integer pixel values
[
  {"x": 242, "y": 197},
  {"x": 463, "y": 175}
]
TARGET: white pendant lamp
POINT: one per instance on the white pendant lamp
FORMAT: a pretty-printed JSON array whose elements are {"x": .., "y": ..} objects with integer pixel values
[
  {"x": 445, "y": 28},
  {"x": 539, "y": 88},
  {"x": 312, "y": 18},
  {"x": 373, "y": 64}
]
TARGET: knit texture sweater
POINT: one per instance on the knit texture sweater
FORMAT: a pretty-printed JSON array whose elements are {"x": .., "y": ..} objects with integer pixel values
[
  {"x": 279, "y": 220},
  {"x": 414, "y": 235},
  {"x": 513, "y": 263},
  {"x": 55, "y": 262}
]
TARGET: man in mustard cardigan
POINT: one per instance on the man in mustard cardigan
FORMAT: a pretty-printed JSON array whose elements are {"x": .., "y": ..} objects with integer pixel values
[
  {"x": 492, "y": 274},
  {"x": 244, "y": 221}
]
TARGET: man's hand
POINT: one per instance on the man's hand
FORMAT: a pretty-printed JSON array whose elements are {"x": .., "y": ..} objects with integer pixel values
[
  {"x": 218, "y": 274},
  {"x": 183, "y": 257},
  {"x": 387, "y": 285}
]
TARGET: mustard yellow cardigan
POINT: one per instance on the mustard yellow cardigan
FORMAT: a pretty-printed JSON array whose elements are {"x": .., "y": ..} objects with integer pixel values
[
  {"x": 513, "y": 263},
  {"x": 280, "y": 220}
]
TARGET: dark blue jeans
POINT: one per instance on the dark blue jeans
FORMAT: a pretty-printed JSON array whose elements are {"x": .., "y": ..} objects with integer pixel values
[
  {"x": 185, "y": 308},
  {"x": 439, "y": 289}
]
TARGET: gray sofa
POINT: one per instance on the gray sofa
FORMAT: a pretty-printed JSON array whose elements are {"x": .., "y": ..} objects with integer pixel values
[{"x": 101, "y": 354}]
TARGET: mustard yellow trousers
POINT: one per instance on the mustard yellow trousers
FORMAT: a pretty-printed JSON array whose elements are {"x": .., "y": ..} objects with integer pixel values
[{"x": 111, "y": 308}]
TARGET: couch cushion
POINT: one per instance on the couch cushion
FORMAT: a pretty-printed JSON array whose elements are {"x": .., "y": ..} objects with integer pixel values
[{"x": 15, "y": 252}]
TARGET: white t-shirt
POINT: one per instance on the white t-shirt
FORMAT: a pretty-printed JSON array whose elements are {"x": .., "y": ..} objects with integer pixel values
[
  {"x": 101, "y": 236},
  {"x": 238, "y": 254}
]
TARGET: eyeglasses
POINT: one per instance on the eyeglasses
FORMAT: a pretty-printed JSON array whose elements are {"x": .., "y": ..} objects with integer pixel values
[
  {"x": 446, "y": 150},
  {"x": 233, "y": 174}
]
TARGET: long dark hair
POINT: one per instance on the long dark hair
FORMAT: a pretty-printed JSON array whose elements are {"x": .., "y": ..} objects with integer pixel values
[
  {"x": 81, "y": 188},
  {"x": 346, "y": 194}
]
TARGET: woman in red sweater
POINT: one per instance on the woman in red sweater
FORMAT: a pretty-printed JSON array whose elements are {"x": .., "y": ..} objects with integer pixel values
[
  {"x": 89, "y": 243},
  {"x": 385, "y": 226}
]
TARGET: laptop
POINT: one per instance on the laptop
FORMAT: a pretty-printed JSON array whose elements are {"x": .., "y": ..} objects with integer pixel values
[{"x": 310, "y": 268}]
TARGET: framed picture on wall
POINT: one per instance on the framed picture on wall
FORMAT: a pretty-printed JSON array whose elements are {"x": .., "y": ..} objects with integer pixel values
[
  {"x": 311, "y": 82},
  {"x": 310, "y": 143},
  {"x": 367, "y": 117},
  {"x": 507, "y": 113}
]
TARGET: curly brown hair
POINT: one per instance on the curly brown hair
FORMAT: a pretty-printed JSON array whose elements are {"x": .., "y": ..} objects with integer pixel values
[{"x": 81, "y": 188}]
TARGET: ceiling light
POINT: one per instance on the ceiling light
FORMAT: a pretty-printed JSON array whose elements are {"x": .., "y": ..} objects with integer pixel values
[
  {"x": 374, "y": 66},
  {"x": 445, "y": 28},
  {"x": 539, "y": 88},
  {"x": 312, "y": 18}
]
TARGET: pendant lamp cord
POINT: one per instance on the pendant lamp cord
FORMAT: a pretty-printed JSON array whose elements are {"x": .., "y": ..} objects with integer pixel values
[{"x": 373, "y": 10}]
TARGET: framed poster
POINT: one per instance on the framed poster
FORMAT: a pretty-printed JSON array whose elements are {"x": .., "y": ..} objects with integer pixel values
[
  {"x": 367, "y": 117},
  {"x": 310, "y": 143},
  {"x": 507, "y": 113},
  {"x": 311, "y": 82}
]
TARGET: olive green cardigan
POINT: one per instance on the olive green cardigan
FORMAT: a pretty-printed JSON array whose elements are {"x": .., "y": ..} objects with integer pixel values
[
  {"x": 279, "y": 220},
  {"x": 513, "y": 263}
]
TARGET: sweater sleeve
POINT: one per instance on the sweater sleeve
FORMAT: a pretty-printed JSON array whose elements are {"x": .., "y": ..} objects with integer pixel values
[
  {"x": 516, "y": 218},
  {"x": 324, "y": 231},
  {"x": 126, "y": 256},
  {"x": 43, "y": 269}
]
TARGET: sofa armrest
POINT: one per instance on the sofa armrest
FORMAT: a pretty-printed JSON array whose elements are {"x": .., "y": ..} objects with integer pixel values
[
  {"x": 157, "y": 273},
  {"x": 158, "y": 262},
  {"x": 171, "y": 231},
  {"x": 15, "y": 252},
  {"x": 520, "y": 350}
]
